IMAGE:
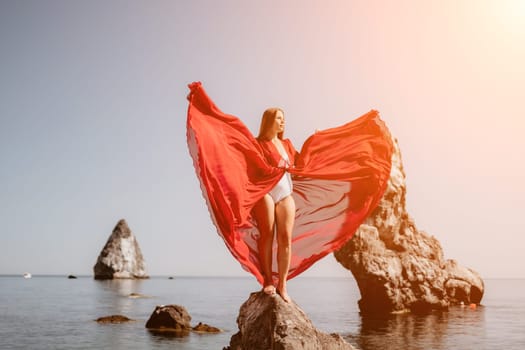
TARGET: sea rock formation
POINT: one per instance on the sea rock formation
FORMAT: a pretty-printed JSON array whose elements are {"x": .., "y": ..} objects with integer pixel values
[
  {"x": 121, "y": 256},
  {"x": 170, "y": 318},
  {"x": 400, "y": 268},
  {"x": 268, "y": 322}
]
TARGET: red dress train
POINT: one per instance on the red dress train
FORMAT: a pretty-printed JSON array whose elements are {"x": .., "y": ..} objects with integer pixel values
[{"x": 339, "y": 176}]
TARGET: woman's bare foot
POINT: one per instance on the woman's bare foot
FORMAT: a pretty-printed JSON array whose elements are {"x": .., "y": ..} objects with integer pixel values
[
  {"x": 282, "y": 292},
  {"x": 269, "y": 289}
]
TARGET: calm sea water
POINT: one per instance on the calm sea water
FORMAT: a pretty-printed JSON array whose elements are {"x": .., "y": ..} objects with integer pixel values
[{"x": 53, "y": 312}]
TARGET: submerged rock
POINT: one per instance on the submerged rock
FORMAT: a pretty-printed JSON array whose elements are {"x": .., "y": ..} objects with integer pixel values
[
  {"x": 400, "y": 268},
  {"x": 204, "y": 328},
  {"x": 114, "y": 319},
  {"x": 268, "y": 322},
  {"x": 137, "y": 296},
  {"x": 121, "y": 256}
]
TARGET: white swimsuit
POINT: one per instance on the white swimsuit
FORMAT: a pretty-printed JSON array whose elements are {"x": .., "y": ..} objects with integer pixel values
[{"x": 284, "y": 187}]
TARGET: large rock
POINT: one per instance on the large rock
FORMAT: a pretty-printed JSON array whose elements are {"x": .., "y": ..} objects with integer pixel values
[
  {"x": 268, "y": 322},
  {"x": 121, "y": 256},
  {"x": 400, "y": 268}
]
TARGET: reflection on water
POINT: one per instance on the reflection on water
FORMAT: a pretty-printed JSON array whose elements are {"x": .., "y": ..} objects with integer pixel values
[
  {"x": 168, "y": 338},
  {"x": 432, "y": 331},
  {"x": 123, "y": 287},
  {"x": 115, "y": 294},
  {"x": 112, "y": 297}
]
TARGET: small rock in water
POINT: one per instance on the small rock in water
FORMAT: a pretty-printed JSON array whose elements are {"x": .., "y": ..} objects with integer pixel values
[
  {"x": 72, "y": 277},
  {"x": 204, "y": 328},
  {"x": 137, "y": 295},
  {"x": 114, "y": 319},
  {"x": 170, "y": 319}
]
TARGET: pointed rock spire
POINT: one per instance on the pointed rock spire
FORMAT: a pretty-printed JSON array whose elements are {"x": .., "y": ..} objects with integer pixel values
[{"x": 121, "y": 256}]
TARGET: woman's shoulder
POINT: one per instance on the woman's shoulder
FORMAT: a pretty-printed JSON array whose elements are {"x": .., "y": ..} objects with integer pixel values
[
  {"x": 265, "y": 145},
  {"x": 263, "y": 142},
  {"x": 288, "y": 143}
]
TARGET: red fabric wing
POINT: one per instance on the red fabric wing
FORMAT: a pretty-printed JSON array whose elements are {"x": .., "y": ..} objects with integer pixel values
[{"x": 339, "y": 178}]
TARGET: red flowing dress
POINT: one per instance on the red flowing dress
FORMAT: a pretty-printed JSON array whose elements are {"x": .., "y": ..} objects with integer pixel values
[{"x": 338, "y": 178}]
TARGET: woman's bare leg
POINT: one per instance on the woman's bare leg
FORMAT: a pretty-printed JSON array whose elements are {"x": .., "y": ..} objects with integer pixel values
[
  {"x": 284, "y": 217},
  {"x": 264, "y": 213}
]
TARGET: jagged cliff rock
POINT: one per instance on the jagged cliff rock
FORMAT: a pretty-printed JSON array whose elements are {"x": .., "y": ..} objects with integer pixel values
[
  {"x": 398, "y": 267},
  {"x": 121, "y": 256},
  {"x": 268, "y": 322}
]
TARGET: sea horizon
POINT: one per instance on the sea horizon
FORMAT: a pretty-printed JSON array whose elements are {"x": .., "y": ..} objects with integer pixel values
[{"x": 201, "y": 276}]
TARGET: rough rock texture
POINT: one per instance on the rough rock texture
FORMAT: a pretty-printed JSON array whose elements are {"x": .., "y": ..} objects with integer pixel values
[
  {"x": 268, "y": 322},
  {"x": 114, "y": 319},
  {"x": 173, "y": 318},
  {"x": 204, "y": 328},
  {"x": 399, "y": 268},
  {"x": 121, "y": 256}
]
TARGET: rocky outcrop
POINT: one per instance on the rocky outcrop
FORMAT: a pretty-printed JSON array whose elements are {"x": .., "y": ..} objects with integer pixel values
[
  {"x": 121, "y": 256},
  {"x": 174, "y": 320},
  {"x": 170, "y": 318},
  {"x": 268, "y": 322},
  {"x": 400, "y": 268}
]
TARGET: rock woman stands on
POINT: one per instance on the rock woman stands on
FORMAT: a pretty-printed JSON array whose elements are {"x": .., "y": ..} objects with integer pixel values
[{"x": 338, "y": 177}]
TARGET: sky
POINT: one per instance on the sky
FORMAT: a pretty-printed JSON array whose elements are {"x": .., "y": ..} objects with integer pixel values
[{"x": 93, "y": 111}]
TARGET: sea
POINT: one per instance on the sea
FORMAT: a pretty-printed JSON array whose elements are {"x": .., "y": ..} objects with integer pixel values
[{"x": 54, "y": 312}]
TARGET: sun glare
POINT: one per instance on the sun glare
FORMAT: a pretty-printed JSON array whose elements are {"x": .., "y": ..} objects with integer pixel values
[{"x": 512, "y": 15}]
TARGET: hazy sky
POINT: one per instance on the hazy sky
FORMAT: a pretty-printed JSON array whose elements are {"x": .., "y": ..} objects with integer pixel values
[{"x": 93, "y": 112}]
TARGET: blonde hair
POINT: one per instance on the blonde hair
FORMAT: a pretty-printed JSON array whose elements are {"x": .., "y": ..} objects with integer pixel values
[{"x": 267, "y": 120}]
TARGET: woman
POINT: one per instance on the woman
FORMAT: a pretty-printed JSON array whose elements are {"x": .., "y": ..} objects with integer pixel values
[
  {"x": 339, "y": 178},
  {"x": 275, "y": 212}
]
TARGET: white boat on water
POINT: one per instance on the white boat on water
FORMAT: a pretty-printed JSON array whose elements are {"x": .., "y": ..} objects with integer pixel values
[{"x": 27, "y": 275}]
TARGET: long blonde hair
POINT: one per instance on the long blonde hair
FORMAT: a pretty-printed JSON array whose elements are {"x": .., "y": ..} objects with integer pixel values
[{"x": 267, "y": 120}]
